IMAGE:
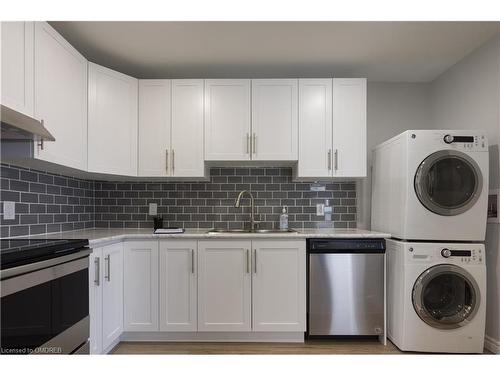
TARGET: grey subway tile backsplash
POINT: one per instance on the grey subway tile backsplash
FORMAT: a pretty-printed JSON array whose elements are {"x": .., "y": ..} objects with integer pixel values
[{"x": 48, "y": 203}]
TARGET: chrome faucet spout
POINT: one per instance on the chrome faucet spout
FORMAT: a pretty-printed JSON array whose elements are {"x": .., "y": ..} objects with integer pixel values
[{"x": 252, "y": 207}]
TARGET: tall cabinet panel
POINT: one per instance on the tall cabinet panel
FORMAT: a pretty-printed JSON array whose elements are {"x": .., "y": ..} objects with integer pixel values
[
  {"x": 154, "y": 127},
  {"x": 274, "y": 119},
  {"x": 60, "y": 97},
  {"x": 140, "y": 297},
  {"x": 187, "y": 155},
  {"x": 315, "y": 128},
  {"x": 178, "y": 289},
  {"x": 349, "y": 127},
  {"x": 227, "y": 119},
  {"x": 112, "y": 129},
  {"x": 17, "y": 66}
]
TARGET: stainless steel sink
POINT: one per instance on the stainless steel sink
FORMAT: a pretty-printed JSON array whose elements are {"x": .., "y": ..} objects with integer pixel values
[{"x": 257, "y": 231}]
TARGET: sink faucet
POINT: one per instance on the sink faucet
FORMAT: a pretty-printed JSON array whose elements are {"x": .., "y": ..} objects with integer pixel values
[{"x": 252, "y": 208}]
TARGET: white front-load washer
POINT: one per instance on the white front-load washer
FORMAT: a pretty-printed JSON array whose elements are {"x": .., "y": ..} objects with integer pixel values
[
  {"x": 431, "y": 185},
  {"x": 436, "y": 296}
]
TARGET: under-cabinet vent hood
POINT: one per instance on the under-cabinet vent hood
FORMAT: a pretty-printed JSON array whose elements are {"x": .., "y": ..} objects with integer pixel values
[{"x": 17, "y": 126}]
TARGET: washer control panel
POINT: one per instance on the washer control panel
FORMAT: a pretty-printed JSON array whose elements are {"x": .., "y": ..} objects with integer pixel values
[
  {"x": 452, "y": 253},
  {"x": 464, "y": 142},
  {"x": 464, "y": 256}
]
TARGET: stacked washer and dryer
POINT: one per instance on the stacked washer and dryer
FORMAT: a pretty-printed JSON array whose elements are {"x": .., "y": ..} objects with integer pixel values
[{"x": 430, "y": 192}]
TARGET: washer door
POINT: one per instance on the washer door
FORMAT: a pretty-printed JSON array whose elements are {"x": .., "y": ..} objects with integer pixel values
[
  {"x": 448, "y": 182},
  {"x": 446, "y": 296}
]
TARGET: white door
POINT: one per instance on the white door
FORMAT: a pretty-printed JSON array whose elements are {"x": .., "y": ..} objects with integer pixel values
[
  {"x": 187, "y": 156},
  {"x": 112, "y": 294},
  {"x": 279, "y": 285},
  {"x": 315, "y": 128},
  {"x": 95, "y": 300},
  {"x": 154, "y": 127},
  {"x": 349, "y": 127},
  {"x": 274, "y": 119},
  {"x": 140, "y": 285},
  {"x": 17, "y": 66},
  {"x": 227, "y": 119},
  {"x": 224, "y": 286},
  {"x": 112, "y": 130},
  {"x": 178, "y": 274},
  {"x": 61, "y": 97}
]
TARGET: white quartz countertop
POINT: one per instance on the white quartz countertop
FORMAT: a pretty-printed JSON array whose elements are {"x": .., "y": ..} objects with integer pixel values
[{"x": 99, "y": 237}]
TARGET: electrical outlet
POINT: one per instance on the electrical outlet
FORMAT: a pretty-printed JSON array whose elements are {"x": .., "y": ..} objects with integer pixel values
[
  {"x": 153, "y": 209},
  {"x": 9, "y": 210},
  {"x": 320, "y": 209}
]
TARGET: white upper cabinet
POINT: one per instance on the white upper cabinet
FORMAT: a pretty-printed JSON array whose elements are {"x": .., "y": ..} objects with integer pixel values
[
  {"x": 349, "y": 127},
  {"x": 17, "y": 66},
  {"x": 274, "y": 119},
  {"x": 224, "y": 286},
  {"x": 315, "y": 128},
  {"x": 187, "y": 156},
  {"x": 60, "y": 98},
  {"x": 279, "y": 286},
  {"x": 178, "y": 289},
  {"x": 227, "y": 119},
  {"x": 140, "y": 293},
  {"x": 154, "y": 127},
  {"x": 112, "y": 126}
]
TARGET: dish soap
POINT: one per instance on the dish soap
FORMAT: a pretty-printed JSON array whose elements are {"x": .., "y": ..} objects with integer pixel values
[
  {"x": 284, "y": 219},
  {"x": 328, "y": 210}
]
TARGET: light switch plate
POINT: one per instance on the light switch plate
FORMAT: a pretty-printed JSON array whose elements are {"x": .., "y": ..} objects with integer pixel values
[
  {"x": 9, "y": 210},
  {"x": 320, "y": 209},
  {"x": 153, "y": 209}
]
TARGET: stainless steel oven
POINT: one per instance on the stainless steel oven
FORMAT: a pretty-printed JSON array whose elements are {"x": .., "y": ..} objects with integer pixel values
[{"x": 45, "y": 305}]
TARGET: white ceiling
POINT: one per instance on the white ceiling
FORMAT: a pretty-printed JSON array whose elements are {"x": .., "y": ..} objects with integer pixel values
[{"x": 381, "y": 51}]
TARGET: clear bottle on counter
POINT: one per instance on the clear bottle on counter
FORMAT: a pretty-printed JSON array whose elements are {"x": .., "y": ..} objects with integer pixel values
[{"x": 284, "y": 219}]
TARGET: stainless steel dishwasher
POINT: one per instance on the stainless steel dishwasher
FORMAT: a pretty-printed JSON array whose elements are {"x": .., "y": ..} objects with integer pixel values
[{"x": 345, "y": 287}]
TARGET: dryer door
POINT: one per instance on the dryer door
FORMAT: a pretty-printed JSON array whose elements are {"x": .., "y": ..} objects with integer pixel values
[
  {"x": 448, "y": 182},
  {"x": 446, "y": 296}
]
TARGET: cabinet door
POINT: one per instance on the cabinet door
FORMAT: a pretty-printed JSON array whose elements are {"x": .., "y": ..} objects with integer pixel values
[
  {"x": 349, "y": 127},
  {"x": 140, "y": 283},
  {"x": 112, "y": 134},
  {"x": 154, "y": 127},
  {"x": 274, "y": 119},
  {"x": 178, "y": 270},
  {"x": 95, "y": 300},
  {"x": 279, "y": 286},
  {"x": 227, "y": 119},
  {"x": 187, "y": 157},
  {"x": 61, "y": 98},
  {"x": 17, "y": 66},
  {"x": 112, "y": 294},
  {"x": 224, "y": 286},
  {"x": 315, "y": 128}
]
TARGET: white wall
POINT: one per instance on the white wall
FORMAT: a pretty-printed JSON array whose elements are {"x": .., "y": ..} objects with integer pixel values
[
  {"x": 468, "y": 96},
  {"x": 392, "y": 109}
]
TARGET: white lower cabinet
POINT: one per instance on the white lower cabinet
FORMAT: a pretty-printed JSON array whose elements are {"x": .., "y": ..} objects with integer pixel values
[
  {"x": 224, "y": 286},
  {"x": 112, "y": 294},
  {"x": 140, "y": 289},
  {"x": 279, "y": 285},
  {"x": 178, "y": 288},
  {"x": 95, "y": 300}
]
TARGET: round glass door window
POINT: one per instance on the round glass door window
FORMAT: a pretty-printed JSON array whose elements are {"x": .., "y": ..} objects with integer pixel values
[
  {"x": 448, "y": 182},
  {"x": 446, "y": 296}
]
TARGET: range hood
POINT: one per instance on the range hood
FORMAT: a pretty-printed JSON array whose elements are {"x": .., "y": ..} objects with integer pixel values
[{"x": 16, "y": 126}]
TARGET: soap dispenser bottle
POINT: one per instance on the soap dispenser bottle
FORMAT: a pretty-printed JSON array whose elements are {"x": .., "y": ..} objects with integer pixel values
[
  {"x": 284, "y": 219},
  {"x": 328, "y": 210}
]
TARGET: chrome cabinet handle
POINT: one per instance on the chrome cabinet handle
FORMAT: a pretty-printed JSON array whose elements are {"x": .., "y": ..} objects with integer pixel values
[
  {"x": 248, "y": 261},
  {"x": 248, "y": 143},
  {"x": 166, "y": 160},
  {"x": 255, "y": 260},
  {"x": 329, "y": 159},
  {"x": 254, "y": 143},
  {"x": 97, "y": 267},
  {"x": 192, "y": 260},
  {"x": 173, "y": 161},
  {"x": 336, "y": 164},
  {"x": 107, "y": 259}
]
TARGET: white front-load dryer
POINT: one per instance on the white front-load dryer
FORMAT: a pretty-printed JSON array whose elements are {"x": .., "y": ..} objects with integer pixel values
[
  {"x": 436, "y": 296},
  {"x": 431, "y": 185}
]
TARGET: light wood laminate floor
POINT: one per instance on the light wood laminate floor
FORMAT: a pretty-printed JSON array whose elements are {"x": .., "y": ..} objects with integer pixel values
[{"x": 344, "y": 346}]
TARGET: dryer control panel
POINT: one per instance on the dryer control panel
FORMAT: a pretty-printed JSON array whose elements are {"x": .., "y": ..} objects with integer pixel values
[{"x": 464, "y": 142}]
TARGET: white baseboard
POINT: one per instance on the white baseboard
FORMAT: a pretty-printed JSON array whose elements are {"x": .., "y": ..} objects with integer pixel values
[
  {"x": 110, "y": 348},
  {"x": 491, "y": 344},
  {"x": 214, "y": 336}
]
